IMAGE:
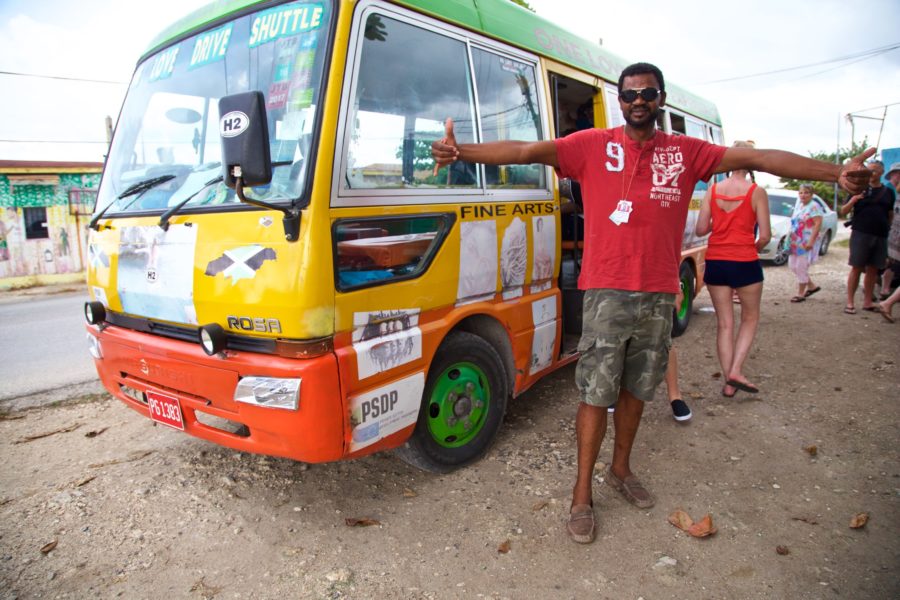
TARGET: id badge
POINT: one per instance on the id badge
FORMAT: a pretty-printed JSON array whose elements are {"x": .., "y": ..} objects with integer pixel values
[{"x": 622, "y": 212}]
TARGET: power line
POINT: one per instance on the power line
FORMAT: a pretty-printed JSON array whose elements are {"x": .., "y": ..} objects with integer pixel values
[
  {"x": 51, "y": 142},
  {"x": 852, "y": 62},
  {"x": 857, "y": 55},
  {"x": 13, "y": 73}
]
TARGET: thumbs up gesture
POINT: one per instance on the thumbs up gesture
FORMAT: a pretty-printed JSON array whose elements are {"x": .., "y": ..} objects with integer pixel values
[
  {"x": 854, "y": 175},
  {"x": 445, "y": 150}
]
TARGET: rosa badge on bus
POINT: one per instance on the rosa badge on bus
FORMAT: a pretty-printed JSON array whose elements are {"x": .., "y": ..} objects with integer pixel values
[{"x": 165, "y": 409}]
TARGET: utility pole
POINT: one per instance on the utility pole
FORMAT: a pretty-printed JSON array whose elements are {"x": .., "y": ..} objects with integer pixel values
[
  {"x": 109, "y": 132},
  {"x": 837, "y": 161}
]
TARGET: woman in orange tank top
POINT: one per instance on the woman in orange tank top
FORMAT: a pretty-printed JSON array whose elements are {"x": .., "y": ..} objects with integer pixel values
[{"x": 732, "y": 210}]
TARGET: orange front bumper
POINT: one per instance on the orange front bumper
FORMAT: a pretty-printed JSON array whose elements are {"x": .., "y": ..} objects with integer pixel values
[{"x": 204, "y": 386}]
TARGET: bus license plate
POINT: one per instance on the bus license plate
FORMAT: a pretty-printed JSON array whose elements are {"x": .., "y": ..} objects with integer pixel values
[{"x": 165, "y": 409}]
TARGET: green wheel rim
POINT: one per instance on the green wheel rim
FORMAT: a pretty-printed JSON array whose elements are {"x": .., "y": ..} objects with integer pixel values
[
  {"x": 458, "y": 406},
  {"x": 685, "y": 301}
]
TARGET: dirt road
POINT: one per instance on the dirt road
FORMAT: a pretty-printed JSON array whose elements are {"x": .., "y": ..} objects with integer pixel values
[{"x": 146, "y": 512}]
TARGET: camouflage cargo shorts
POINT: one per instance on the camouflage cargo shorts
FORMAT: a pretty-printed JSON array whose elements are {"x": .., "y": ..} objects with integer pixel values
[{"x": 624, "y": 343}]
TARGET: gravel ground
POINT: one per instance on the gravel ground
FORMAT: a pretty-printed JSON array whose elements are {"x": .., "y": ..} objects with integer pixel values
[{"x": 108, "y": 505}]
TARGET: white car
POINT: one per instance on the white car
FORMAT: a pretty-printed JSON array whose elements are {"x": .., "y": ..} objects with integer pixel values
[{"x": 781, "y": 207}]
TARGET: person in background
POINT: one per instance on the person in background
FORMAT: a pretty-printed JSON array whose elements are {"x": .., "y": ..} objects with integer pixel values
[
  {"x": 732, "y": 210},
  {"x": 681, "y": 412},
  {"x": 888, "y": 300},
  {"x": 806, "y": 223},
  {"x": 872, "y": 215},
  {"x": 892, "y": 273},
  {"x": 637, "y": 184}
]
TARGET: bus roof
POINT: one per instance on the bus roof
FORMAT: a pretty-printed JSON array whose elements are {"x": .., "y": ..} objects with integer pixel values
[{"x": 500, "y": 19}]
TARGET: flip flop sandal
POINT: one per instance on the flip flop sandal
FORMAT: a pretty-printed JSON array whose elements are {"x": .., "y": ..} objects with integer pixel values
[
  {"x": 631, "y": 489},
  {"x": 870, "y": 308},
  {"x": 849, "y": 310},
  {"x": 884, "y": 313},
  {"x": 581, "y": 525},
  {"x": 744, "y": 387},
  {"x": 811, "y": 292},
  {"x": 796, "y": 299}
]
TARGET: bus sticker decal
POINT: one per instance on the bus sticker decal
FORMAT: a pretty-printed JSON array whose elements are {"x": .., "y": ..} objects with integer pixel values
[
  {"x": 543, "y": 315},
  {"x": 240, "y": 263},
  {"x": 513, "y": 293},
  {"x": 540, "y": 287},
  {"x": 100, "y": 295},
  {"x": 543, "y": 310},
  {"x": 156, "y": 272},
  {"x": 164, "y": 64},
  {"x": 544, "y": 230},
  {"x": 210, "y": 47},
  {"x": 514, "y": 258},
  {"x": 477, "y": 260},
  {"x": 385, "y": 339},
  {"x": 378, "y": 413},
  {"x": 97, "y": 256},
  {"x": 285, "y": 21},
  {"x": 542, "y": 347}
]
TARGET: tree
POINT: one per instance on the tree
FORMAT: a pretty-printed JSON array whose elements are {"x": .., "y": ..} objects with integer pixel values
[
  {"x": 523, "y": 4},
  {"x": 823, "y": 189}
]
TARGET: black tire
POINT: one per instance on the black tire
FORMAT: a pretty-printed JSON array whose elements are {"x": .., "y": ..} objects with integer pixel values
[
  {"x": 781, "y": 254},
  {"x": 826, "y": 242},
  {"x": 466, "y": 370},
  {"x": 681, "y": 315}
]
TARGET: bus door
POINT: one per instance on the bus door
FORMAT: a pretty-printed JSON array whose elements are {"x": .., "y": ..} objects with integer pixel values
[{"x": 576, "y": 105}]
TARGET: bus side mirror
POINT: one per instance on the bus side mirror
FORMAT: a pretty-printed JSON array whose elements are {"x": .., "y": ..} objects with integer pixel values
[
  {"x": 246, "y": 160},
  {"x": 245, "y": 139}
]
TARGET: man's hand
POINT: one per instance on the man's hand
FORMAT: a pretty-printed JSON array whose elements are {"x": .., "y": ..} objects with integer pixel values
[
  {"x": 445, "y": 151},
  {"x": 854, "y": 175}
]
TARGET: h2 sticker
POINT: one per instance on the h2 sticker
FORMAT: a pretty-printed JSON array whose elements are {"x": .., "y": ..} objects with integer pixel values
[{"x": 233, "y": 124}]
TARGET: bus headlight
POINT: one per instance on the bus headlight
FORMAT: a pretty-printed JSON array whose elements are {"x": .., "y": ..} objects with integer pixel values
[
  {"x": 270, "y": 392},
  {"x": 213, "y": 338},
  {"x": 94, "y": 312},
  {"x": 94, "y": 347}
]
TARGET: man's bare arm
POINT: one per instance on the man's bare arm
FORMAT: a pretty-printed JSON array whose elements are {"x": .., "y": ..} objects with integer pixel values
[
  {"x": 852, "y": 176},
  {"x": 446, "y": 151}
]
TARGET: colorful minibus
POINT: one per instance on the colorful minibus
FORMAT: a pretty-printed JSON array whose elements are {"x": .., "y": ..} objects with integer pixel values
[{"x": 277, "y": 266}]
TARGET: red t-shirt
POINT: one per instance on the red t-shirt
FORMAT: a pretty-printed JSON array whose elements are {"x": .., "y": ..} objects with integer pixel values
[{"x": 642, "y": 254}]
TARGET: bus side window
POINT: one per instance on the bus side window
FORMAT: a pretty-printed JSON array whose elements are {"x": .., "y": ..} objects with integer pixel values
[
  {"x": 509, "y": 105},
  {"x": 379, "y": 250},
  {"x": 678, "y": 124},
  {"x": 401, "y": 100}
]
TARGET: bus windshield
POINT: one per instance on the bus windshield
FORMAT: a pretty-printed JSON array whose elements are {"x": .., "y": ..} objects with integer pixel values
[{"x": 167, "y": 149}]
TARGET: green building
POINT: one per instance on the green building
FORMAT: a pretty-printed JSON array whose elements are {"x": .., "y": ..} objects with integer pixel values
[{"x": 45, "y": 208}]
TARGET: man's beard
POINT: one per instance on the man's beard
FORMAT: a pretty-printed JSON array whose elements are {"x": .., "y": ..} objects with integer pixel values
[{"x": 647, "y": 122}]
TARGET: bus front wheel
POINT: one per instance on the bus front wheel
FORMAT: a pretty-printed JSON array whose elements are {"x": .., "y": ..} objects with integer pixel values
[{"x": 462, "y": 407}]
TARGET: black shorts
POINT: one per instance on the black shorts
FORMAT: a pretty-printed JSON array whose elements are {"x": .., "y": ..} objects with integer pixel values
[
  {"x": 732, "y": 273},
  {"x": 867, "y": 250}
]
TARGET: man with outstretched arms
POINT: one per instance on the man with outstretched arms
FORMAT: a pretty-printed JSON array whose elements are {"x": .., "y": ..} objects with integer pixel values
[{"x": 637, "y": 184}]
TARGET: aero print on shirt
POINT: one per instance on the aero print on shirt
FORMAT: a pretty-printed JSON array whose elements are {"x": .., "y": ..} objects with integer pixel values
[{"x": 667, "y": 167}]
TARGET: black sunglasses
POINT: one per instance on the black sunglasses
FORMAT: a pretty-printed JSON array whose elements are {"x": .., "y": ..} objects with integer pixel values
[{"x": 649, "y": 94}]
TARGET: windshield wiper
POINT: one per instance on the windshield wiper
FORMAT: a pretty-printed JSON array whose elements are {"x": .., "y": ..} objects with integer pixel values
[
  {"x": 164, "y": 218},
  {"x": 143, "y": 186},
  {"x": 138, "y": 188}
]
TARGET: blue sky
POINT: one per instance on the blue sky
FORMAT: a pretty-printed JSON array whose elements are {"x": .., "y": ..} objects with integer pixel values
[{"x": 693, "y": 41}]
